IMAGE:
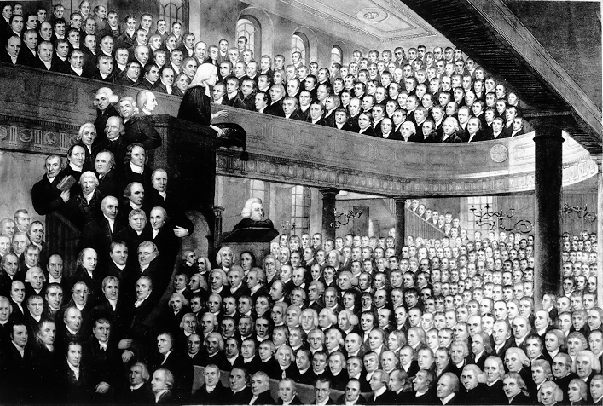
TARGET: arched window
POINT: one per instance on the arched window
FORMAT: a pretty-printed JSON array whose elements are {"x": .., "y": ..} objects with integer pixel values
[
  {"x": 171, "y": 11},
  {"x": 249, "y": 27},
  {"x": 336, "y": 54},
  {"x": 299, "y": 43}
]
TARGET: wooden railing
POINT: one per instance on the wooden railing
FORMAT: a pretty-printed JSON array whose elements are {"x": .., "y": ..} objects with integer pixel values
[
  {"x": 288, "y": 151},
  {"x": 417, "y": 227},
  {"x": 63, "y": 237}
]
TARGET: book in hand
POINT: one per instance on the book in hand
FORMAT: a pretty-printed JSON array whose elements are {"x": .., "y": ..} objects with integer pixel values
[{"x": 66, "y": 183}]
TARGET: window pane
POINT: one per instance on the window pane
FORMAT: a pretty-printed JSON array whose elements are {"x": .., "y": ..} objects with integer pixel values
[
  {"x": 297, "y": 44},
  {"x": 246, "y": 29}
]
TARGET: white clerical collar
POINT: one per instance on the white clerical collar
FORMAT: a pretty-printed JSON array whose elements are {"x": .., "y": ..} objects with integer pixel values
[
  {"x": 120, "y": 267},
  {"x": 51, "y": 279},
  {"x": 136, "y": 387},
  {"x": 136, "y": 168},
  {"x": 379, "y": 392},
  {"x": 76, "y": 168},
  {"x": 210, "y": 389},
  {"x": 79, "y": 71},
  {"x": 113, "y": 303},
  {"x": 447, "y": 398},
  {"x": 158, "y": 395}
]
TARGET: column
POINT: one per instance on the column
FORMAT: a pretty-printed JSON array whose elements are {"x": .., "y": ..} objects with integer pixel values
[
  {"x": 599, "y": 230},
  {"x": 217, "y": 226},
  {"x": 328, "y": 213},
  {"x": 400, "y": 223},
  {"x": 548, "y": 174}
]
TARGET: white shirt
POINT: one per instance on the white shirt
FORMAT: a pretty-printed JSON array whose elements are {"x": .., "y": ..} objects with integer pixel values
[
  {"x": 89, "y": 197},
  {"x": 447, "y": 398},
  {"x": 379, "y": 392},
  {"x": 136, "y": 168},
  {"x": 111, "y": 222},
  {"x": 76, "y": 371},
  {"x": 158, "y": 395}
]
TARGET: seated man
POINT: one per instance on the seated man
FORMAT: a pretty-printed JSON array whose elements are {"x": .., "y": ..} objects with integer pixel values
[{"x": 212, "y": 391}]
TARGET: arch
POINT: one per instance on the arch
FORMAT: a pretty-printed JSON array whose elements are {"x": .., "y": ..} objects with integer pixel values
[
  {"x": 171, "y": 11},
  {"x": 336, "y": 54},
  {"x": 311, "y": 43},
  {"x": 265, "y": 41},
  {"x": 344, "y": 49},
  {"x": 250, "y": 28},
  {"x": 300, "y": 43}
]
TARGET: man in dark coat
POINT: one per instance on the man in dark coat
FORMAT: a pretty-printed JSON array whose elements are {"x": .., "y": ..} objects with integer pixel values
[{"x": 45, "y": 196}]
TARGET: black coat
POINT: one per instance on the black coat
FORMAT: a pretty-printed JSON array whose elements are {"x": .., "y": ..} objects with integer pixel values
[
  {"x": 45, "y": 197},
  {"x": 140, "y": 129},
  {"x": 81, "y": 212},
  {"x": 216, "y": 397},
  {"x": 98, "y": 235},
  {"x": 195, "y": 106}
]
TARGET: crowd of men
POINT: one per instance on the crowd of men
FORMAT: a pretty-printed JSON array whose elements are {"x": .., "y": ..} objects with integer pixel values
[
  {"x": 413, "y": 96},
  {"x": 446, "y": 321}
]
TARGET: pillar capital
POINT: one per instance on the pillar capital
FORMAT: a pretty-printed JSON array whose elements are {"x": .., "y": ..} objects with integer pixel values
[
  {"x": 548, "y": 133},
  {"x": 218, "y": 210},
  {"x": 328, "y": 192}
]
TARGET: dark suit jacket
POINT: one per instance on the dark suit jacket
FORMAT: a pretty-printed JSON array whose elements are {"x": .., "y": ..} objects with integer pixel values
[
  {"x": 216, "y": 397},
  {"x": 110, "y": 185},
  {"x": 360, "y": 401},
  {"x": 387, "y": 398},
  {"x": 239, "y": 398},
  {"x": 161, "y": 88},
  {"x": 275, "y": 109},
  {"x": 26, "y": 57},
  {"x": 427, "y": 399},
  {"x": 140, "y": 129},
  {"x": 105, "y": 365},
  {"x": 45, "y": 197},
  {"x": 118, "y": 147},
  {"x": 173, "y": 208},
  {"x": 16, "y": 372},
  {"x": 38, "y": 64},
  {"x": 264, "y": 398},
  {"x": 98, "y": 235},
  {"x": 369, "y": 131},
  {"x": 141, "y": 396},
  {"x": 74, "y": 390},
  {"x": 81, "y": 212}
]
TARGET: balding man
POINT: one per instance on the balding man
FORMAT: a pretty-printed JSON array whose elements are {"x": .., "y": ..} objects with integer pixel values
[{"x": 100, "y": 233}]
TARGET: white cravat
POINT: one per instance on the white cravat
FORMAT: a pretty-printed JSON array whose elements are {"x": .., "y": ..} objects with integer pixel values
[
  {"x": 76, "y": 371},
  {"x": 136, "y": 168}
]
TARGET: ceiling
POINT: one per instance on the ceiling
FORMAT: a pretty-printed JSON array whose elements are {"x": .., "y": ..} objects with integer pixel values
[{"x": 370, "y": 23}]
